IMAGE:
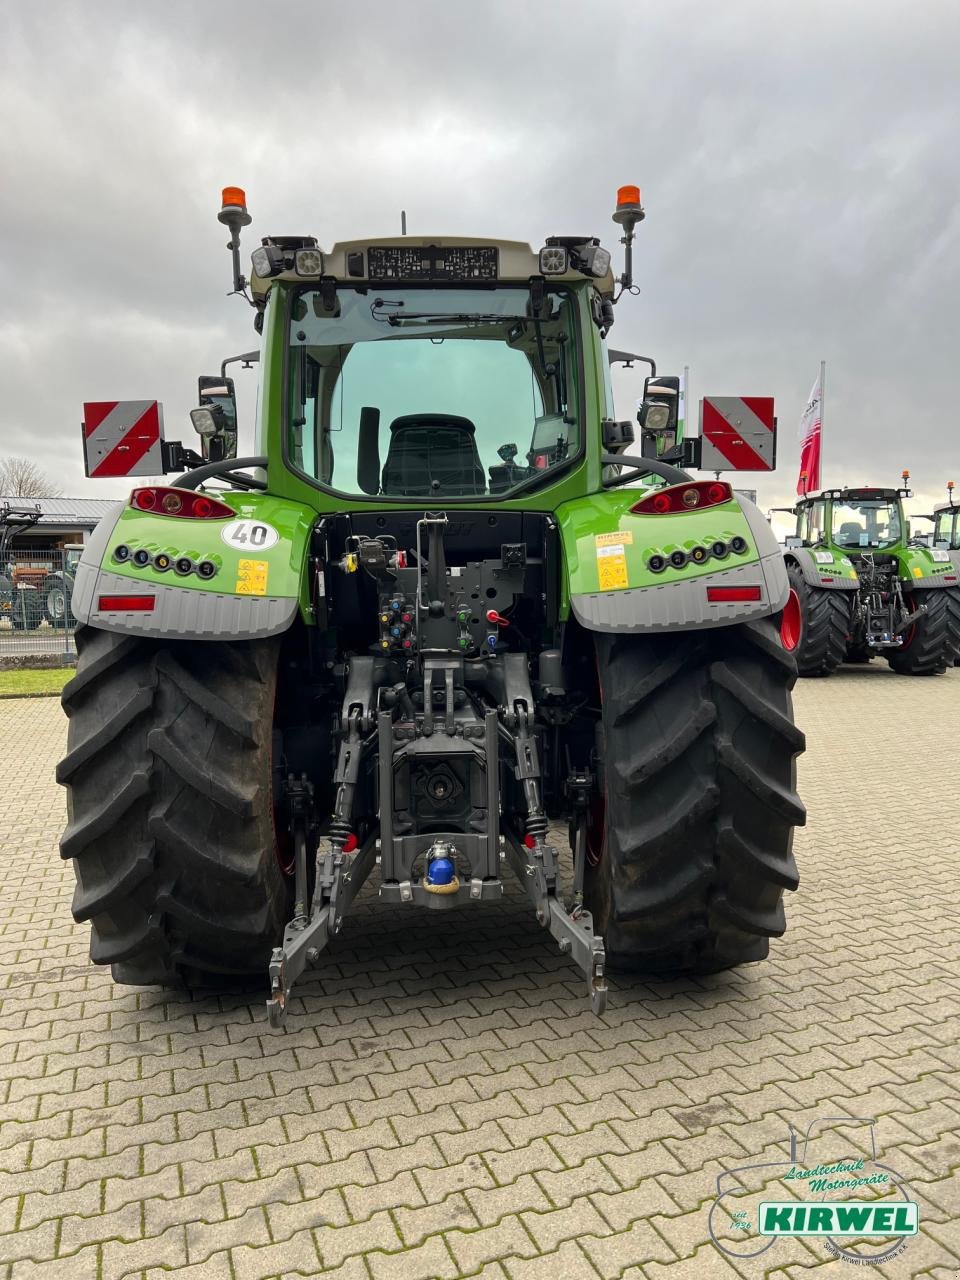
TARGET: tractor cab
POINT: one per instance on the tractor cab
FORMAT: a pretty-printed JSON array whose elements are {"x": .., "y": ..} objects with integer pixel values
[{"x": 853, "y": 521}]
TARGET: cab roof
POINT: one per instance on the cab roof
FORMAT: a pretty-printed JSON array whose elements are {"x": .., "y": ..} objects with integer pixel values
[{"x": 422, "y": 262}]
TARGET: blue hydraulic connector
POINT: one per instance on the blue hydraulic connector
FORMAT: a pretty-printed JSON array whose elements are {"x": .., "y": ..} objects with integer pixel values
[{"x": 441, "y": 870}]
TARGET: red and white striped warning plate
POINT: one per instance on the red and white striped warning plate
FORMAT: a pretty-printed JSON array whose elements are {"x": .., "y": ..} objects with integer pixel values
[
  {"x": 122, "y": 438},
  {"x": 738, "y": 433}
]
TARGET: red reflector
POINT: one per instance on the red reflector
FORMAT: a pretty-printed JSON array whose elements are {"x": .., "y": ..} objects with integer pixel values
[
  {"x": 184, "y": 503},
  {"x": 530, "y": 842},
  {"x": 950, "y": 579},
  {"x": 684, "y": 497},
  {"x": 725, "y": 595},
  {"x": 350, "y": 843},
  {"x": 127, "y": 604},
  {"x": 826, "y": 579}
]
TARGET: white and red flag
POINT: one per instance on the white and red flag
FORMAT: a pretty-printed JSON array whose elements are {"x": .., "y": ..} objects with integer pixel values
[{"x": 811, "y": 423}]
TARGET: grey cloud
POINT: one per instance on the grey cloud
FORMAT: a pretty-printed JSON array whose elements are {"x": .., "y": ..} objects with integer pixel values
[{"x": 798, "y": 164}]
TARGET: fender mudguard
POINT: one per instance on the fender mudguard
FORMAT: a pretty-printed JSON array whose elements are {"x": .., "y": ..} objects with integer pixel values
[
  {"x": 610, "y": 586},
  {"x": 930, "y": 569},
  {"x": 256, "y": 587},
  {"x": 823, "y": 568}
]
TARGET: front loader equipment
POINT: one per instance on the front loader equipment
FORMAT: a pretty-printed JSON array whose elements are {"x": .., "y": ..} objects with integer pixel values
[
  {"x": 449, "y": 611},
  {"x": 860, "y": 587}
]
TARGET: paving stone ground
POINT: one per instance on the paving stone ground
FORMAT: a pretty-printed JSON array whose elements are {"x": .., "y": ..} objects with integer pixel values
[{"x": 442, "y": 1102}]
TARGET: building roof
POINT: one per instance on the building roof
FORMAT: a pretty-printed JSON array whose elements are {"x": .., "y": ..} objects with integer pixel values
[{"x": 64, "y": 513}]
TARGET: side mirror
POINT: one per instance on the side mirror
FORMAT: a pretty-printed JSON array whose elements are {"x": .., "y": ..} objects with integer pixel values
[
  {"x": 658, "y": 415},
  {"x": 215, "y": 421}
]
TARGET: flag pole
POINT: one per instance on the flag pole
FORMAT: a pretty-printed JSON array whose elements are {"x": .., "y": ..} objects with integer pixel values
[{"x": 823, "y": 375}]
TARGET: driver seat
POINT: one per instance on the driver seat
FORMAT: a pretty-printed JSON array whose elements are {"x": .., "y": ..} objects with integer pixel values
[
  {"x": 849, "y": 534},
  {"x": 433, "y": 453}
]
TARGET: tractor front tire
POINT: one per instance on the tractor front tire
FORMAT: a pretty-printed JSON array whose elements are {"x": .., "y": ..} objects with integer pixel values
[
  {"x": 934, "y": 640},
  {"x": 169, "y": 805},
  {"x": 819, "y": 641},
  {"x": 691, "y": 848}
]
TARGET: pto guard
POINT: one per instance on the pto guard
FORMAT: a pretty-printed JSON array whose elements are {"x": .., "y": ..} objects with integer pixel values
[
  {"x": 674, "y": 600},
  {"x": 239, "y": 602}
]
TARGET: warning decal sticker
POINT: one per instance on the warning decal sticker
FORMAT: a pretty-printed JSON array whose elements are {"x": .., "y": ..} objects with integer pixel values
[
  {"x": 252, "y": 578},
  {"x": 611, "y": 566}
]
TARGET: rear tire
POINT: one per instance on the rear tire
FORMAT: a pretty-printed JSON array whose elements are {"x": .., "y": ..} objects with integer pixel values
[
  {"x": 934, "y": 641},
  {"x": 169, "y": 804},
  {"x": 698, "y": 748},
  {"x": 824, "y": 627}
]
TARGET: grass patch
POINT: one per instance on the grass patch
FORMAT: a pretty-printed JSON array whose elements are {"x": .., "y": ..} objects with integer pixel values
[{"x": 32, "y": 682}]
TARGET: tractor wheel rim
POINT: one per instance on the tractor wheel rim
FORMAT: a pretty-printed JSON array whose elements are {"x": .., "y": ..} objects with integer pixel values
[
  {"x": 791, "y": 622},
  {"x": 55, "y": 602}
]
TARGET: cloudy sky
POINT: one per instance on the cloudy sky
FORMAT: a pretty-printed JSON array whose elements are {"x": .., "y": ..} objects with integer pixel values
[{"x": 799, "y": 164}]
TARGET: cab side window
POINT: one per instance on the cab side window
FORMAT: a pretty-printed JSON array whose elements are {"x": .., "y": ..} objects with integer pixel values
[{"x": 812, "y": 524}]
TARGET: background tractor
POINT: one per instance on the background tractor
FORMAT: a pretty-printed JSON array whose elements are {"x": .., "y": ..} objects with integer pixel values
[
  {"x": 859, "y": 587},
  {"x": 57, "y": 587},
  {"x": 450, "y": 599},
  {"x": 21, "y": 586}
]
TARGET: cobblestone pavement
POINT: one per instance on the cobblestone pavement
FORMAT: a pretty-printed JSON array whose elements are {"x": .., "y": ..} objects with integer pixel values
[{"x": 443, "y": 1104}]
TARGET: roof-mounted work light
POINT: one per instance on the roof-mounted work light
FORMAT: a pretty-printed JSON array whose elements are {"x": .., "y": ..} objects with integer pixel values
[
  {"x": 308, "y": 262},
  {"x": 267, "y": 261},
  {"x": 554, "y": 260}
]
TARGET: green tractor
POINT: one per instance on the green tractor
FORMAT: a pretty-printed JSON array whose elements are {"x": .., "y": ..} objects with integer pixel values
[
  {"x": 861, "y": 587},
  {"x": 450, "y": 602},
  {"x": 946, "y": 526}
]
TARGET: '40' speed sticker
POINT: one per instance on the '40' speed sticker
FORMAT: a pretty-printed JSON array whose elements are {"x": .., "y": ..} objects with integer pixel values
[{"x": 249, "y": 535}]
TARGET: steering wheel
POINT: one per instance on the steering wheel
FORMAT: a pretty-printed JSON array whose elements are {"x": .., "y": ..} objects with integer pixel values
[{"x": 226, "y": 469}]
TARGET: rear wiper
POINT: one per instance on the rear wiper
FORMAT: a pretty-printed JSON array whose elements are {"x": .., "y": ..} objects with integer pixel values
[{"x": 397, "y": 319}]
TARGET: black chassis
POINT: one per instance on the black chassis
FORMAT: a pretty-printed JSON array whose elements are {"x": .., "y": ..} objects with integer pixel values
[{"x": 432, "y": 626}]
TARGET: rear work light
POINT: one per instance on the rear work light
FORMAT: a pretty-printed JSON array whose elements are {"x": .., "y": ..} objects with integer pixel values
[
  {"x": 731, "y": 595},
  {"x": 684, "y": 497},
  {"x": 163, "y": 500},
  {"x": 126, "y": 604}
]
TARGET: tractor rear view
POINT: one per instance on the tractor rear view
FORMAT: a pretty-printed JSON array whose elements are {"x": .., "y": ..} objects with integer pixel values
[
  {"x": 450, "y": 601},
  {"x": 861, "y": 588}
]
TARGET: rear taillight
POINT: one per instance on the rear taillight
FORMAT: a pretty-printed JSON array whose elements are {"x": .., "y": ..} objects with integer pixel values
[
  {"x": 684, "y": 497},
  {"x": 168, "y": 501},
  {"x": 126, "y": 604},
  {"x": 731, "y": 595}
]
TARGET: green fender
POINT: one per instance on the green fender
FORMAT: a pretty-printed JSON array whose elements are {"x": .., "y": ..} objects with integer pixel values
[
  {"x": 256, "y": 560},
  {"x": 610, "y": 586},
  {"x": 925, "y": 568}
]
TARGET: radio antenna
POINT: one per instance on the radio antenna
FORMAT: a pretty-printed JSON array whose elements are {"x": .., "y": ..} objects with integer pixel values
[{"x": 403, "y": 222}]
